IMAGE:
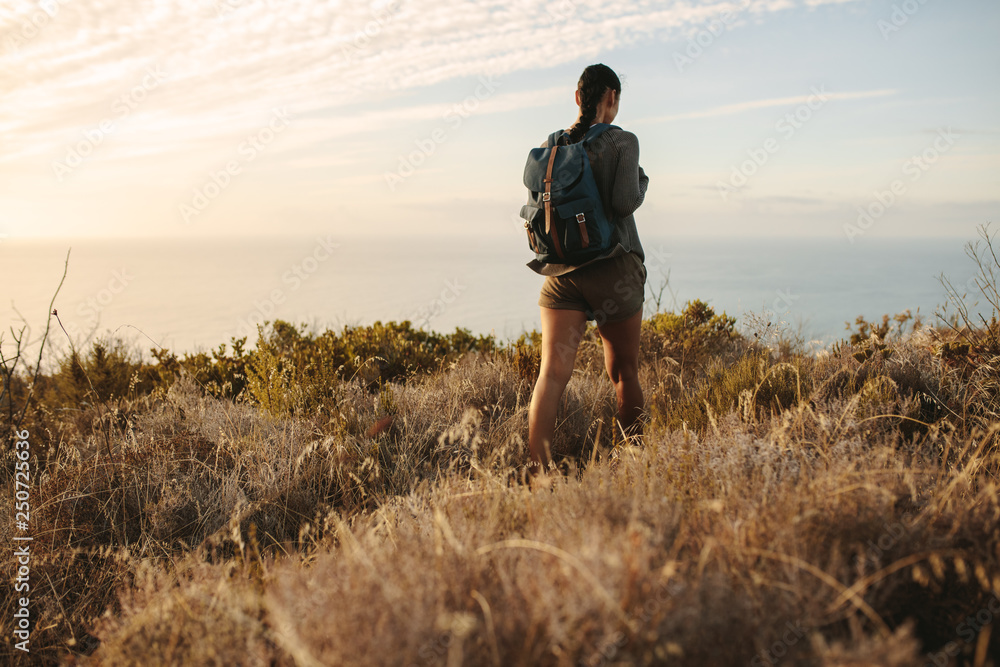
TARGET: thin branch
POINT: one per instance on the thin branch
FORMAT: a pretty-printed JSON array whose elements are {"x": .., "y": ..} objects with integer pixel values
[
  {"x": 140, "y": 331},
  {"x": 41, "y": 348}
]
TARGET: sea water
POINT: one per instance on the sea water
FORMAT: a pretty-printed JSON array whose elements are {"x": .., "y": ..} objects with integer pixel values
[{"x": 194, "y": 295}]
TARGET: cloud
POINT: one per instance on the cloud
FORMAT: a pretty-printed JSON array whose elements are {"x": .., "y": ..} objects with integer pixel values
[
  {"x": 228, "y": 62},
  {"x": 740, "y": 107}
]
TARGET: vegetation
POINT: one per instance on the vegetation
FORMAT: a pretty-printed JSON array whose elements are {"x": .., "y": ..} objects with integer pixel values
[{"x": 352, "y": 497}]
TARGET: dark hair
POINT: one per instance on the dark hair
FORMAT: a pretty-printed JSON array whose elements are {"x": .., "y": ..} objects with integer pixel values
[{"x": 594, "y": 83}]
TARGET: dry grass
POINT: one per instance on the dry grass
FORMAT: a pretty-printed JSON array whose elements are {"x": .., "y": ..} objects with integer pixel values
[{"x": 827, "y": 511}]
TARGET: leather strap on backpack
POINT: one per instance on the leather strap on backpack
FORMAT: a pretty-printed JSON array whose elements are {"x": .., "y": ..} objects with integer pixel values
[
  {"x": 531, "y": 237},
  {"x": 547, "y": 198},
  {"x": 581, "y": 220}
]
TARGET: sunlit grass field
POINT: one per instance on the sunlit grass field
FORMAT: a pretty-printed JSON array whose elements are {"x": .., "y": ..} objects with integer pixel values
[{"x": 353, "y": 497}]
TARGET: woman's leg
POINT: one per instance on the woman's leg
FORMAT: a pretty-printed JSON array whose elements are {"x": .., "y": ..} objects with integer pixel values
[
  {"x": 621, "y": 357},
  {"x": 561, "y": 333}
]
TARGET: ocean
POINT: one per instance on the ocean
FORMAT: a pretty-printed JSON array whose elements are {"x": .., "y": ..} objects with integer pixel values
[{"x": 191, "y": 296}]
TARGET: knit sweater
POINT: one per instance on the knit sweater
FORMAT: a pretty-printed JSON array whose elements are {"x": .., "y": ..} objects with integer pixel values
[{"x": 614, "y": 159}]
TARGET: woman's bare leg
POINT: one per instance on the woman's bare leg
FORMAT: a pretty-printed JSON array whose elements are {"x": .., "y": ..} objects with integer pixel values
[
  {"x": 561, "y": 334},
  {"x": 621, "y": 358}
]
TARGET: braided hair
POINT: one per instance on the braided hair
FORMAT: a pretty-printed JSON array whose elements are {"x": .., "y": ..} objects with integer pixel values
[{"x": 594, "y": 83}]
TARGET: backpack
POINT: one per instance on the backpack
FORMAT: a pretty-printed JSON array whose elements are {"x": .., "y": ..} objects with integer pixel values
[{"x": 564, "y": 216}]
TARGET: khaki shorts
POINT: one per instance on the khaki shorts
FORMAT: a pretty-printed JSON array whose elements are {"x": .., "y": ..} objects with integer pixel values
[{"x": 609, "y": 290}]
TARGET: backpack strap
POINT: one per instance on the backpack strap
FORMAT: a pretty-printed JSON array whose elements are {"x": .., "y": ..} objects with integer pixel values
[
  {"x": 547, "y": 198},
  {"x": 596, "y": 131},
  {"x": 554, "y": 137},
  {"x": 531, "y": 237},
  {"x": 581, "y": 220}
]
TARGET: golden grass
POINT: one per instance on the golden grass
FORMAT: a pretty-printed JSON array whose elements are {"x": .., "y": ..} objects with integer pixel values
[{"x": 777, "y": 511}]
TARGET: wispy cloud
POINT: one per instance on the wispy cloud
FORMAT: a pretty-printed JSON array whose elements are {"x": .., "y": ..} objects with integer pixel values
[
  {"x": 741, "y": 107},
  {"x": 230, "y": 61}
]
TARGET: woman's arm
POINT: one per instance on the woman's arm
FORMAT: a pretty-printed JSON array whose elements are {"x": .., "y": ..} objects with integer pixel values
[{"x": 630, "y": 180}]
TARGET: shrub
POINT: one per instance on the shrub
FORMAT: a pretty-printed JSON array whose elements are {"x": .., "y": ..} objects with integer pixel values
[
  {"x": 754, "y": 384},
  {"x": 295, "y": 371},
  {"x": 110, "y": 369},
  {"x": 525, "y": 354},
  {"x": 693, "y": 335},
  {"x": 220, "y": 374}
]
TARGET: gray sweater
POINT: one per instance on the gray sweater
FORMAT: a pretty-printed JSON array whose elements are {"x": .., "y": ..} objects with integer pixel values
[{"x": 614, "y": 158}]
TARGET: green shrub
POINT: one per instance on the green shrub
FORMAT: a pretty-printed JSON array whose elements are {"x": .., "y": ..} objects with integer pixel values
[
  {"x": 108, "y": 370},
  {"x": 693, "y": 335},
  {"x": 525, "y": 354},
  {"x": 220, "y": 374},
  {"x": 294, "y": 371},
  {"x": 906, "y": 323},
  {"x": 754, "y": 384}
]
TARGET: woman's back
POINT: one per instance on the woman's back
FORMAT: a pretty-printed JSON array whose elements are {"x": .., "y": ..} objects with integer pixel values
[{"x": 614, "y": 159}]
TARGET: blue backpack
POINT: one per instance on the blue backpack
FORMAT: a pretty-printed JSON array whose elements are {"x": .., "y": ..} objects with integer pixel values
[{"x": 564, "y": 216}]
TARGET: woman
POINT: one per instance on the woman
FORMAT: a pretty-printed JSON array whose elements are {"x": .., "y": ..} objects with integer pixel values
[{"x": 608, "y": 289}]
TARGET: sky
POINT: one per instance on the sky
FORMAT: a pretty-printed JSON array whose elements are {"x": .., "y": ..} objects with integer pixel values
[{"x": 222, "y": 118}]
